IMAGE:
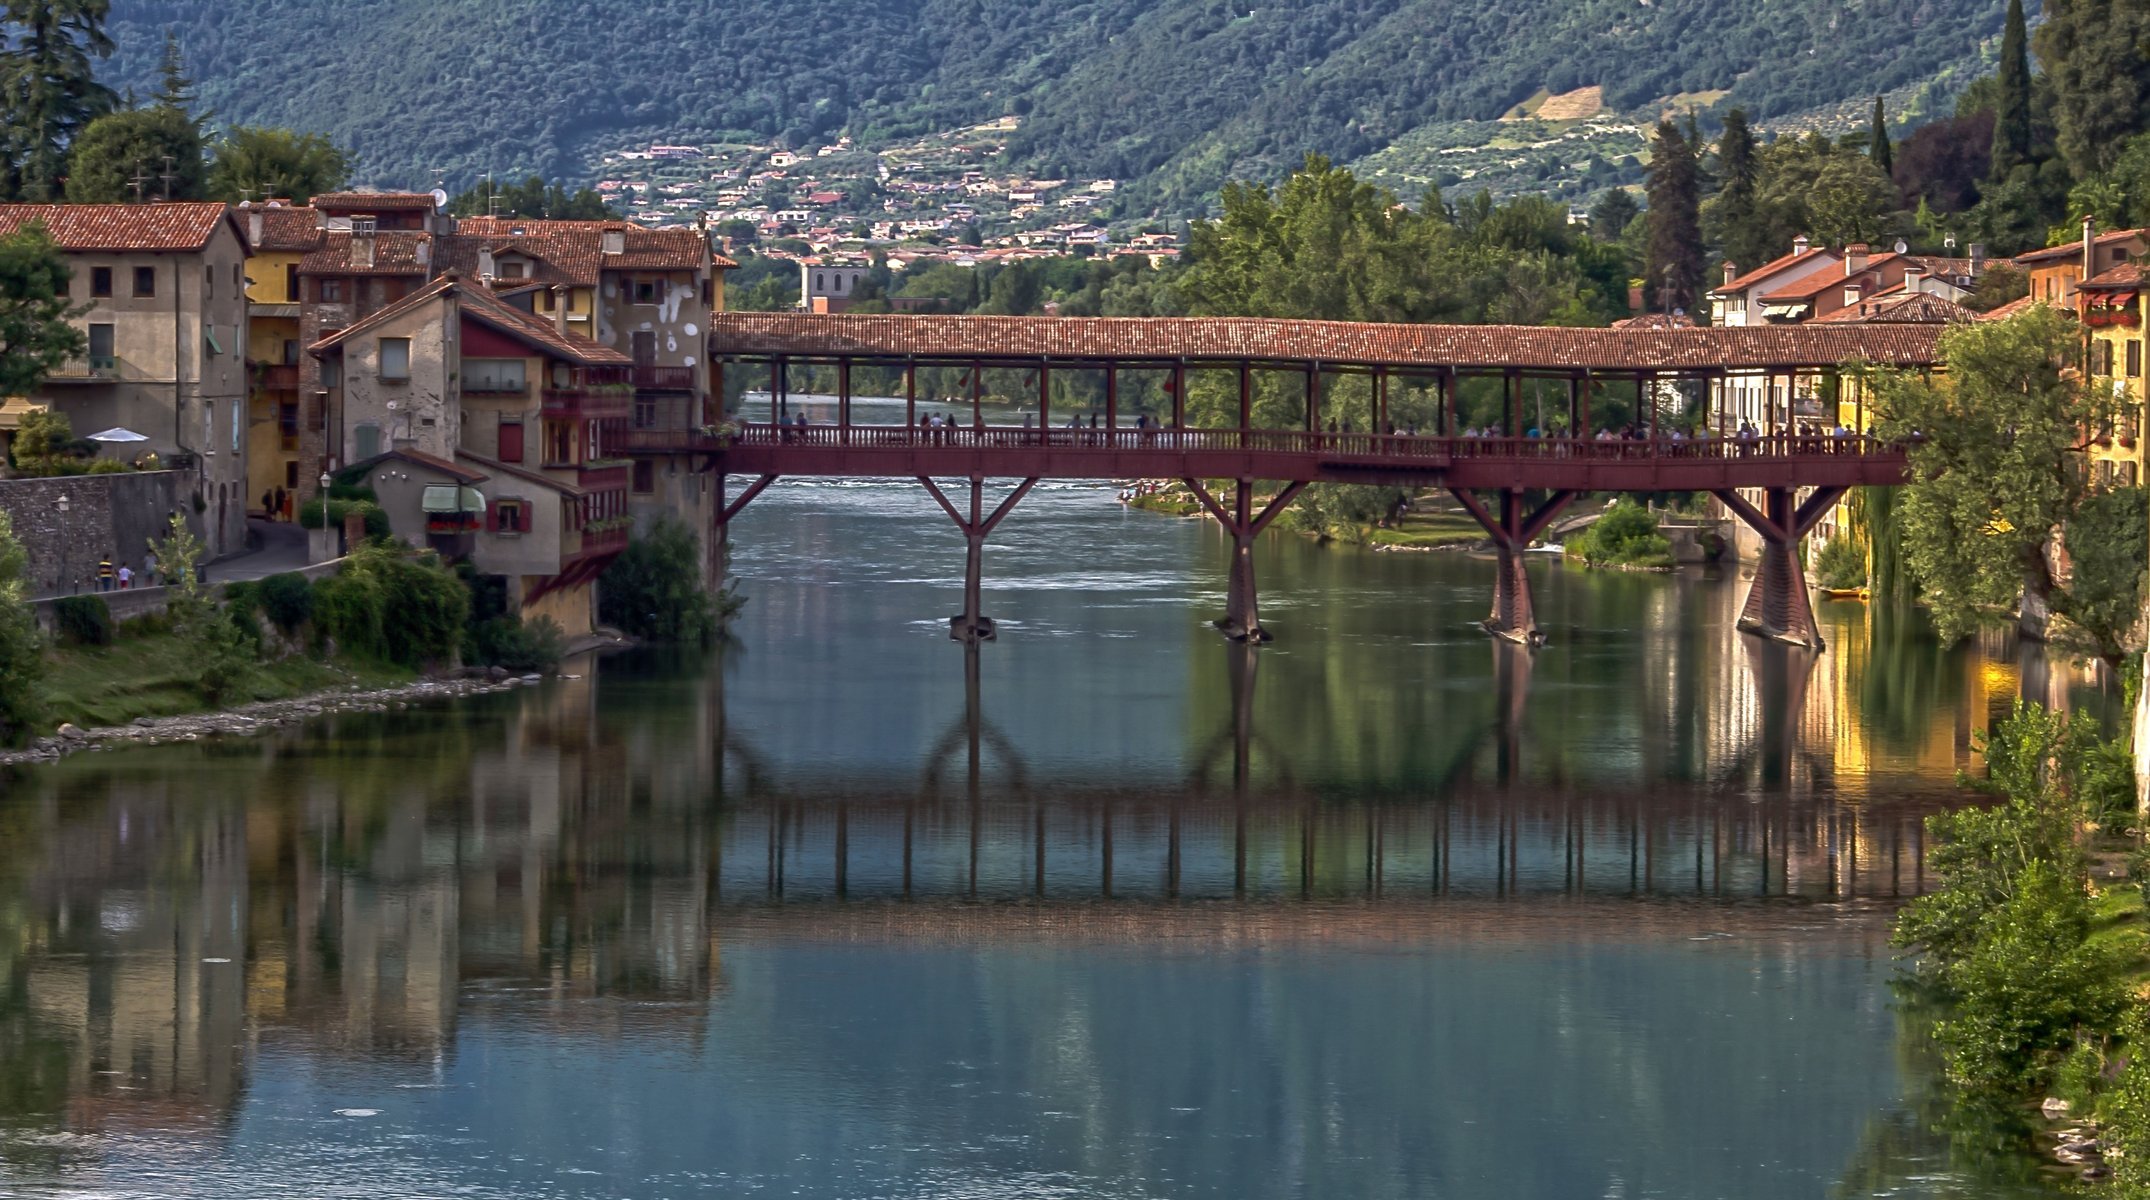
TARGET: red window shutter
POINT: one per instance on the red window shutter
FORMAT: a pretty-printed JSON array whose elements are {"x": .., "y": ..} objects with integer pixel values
[{"x": 511, "y": 443}]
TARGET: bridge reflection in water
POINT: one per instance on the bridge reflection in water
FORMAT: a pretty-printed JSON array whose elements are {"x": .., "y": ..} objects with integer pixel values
[{"x": 361, "y": 886}]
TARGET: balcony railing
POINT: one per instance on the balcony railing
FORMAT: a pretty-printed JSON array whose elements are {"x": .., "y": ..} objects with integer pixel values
[
  {"x": 675, "y": 379},
  {"x": 587, "y": 404},
  {"x": 274, "y": 377},
  {"x": 95, "y": 366},
  {"x": 496, "y": 387}
]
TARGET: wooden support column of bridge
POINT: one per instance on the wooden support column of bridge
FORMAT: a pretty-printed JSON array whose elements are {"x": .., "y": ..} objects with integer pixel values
[
  {"x": 1242, "y": 612},
  {"x": 1778, "y": 605},
  {"x": 972, "y": 625},
  {"x": 1513, "y": 618}
]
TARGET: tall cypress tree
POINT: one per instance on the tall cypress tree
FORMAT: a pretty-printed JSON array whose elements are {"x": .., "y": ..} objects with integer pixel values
[
  {"x": 48, "y": 92},
  {"x": 2093, "y": 53},
  {"x": 1674, "y": 185},
  {"x": 1878, "y": 149},
  {"x": 2012, "y": 115},
  {"x": 1740, "y": 236}
]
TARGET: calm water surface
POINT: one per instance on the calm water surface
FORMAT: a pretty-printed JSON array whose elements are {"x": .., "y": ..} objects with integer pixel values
[{"x": 1108, "y": 909}]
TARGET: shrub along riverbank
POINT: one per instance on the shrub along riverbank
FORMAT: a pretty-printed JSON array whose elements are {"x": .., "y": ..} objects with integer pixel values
[
  {"x": 2038, "y": 973},
  {"x": 389, "y": 616}
]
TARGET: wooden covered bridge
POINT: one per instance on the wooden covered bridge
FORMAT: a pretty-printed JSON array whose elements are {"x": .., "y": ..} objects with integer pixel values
[{"x": 1514, "y": 485}]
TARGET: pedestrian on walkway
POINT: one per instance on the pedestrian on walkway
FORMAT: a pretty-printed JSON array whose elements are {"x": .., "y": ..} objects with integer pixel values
[
  {"x": 105, "y": 576},
  {"x": 126, "y": 577},
  {"x": 278, "y": 509}
]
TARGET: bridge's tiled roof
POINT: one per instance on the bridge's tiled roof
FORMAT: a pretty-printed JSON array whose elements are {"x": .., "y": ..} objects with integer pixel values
[{"x": 1229, "y": 339}]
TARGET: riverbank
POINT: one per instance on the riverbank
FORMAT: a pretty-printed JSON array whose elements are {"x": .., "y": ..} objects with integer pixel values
[
  {"x": 248, "y": 720},
  {"x": 1426, "y": 525}
]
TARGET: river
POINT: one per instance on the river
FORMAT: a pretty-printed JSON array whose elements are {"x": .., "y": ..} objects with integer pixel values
[{"x": 1109, "y": 908}]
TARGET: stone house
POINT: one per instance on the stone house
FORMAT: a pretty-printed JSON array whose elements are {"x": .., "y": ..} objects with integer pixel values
[
  {"x": 513, "y": 421},
  {"x": 163, "y": 287}
]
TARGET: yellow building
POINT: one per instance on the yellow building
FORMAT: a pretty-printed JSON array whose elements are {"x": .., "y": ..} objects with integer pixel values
[
  {"x": 280, "y": 236},
  {"x": 2113, "y": 320}
]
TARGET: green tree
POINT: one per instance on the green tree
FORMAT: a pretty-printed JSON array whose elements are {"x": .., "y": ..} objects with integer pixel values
[
  {"x": 35, "y": 336},
  {"x": 2094, "y": 56},
  {"x": 533, "y": 199},
  {"x": 1996, "y": 469},
  {"x": 1609, "y": 217},
  {"x": 1740, "y": 238},
  {"x": 2012, "y": 145},
  {"x": 2108, "y": 540},
  {"x": 1674, "y": 184},
  {"x": 49, "y": 93},
  {"x": 220, "y": 653},
  {"x": 22, "y": 647},
  {"x": 1851, "y": 200},
  {"x": 258, "y": 163},
  {"x": 1878, "y": 150},
  {"x": 138, "y": 154},
  {"x": 654, "y": 590}
]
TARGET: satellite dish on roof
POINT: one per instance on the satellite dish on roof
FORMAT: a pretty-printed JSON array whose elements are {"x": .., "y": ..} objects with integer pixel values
[
  {"x": 440, "y": 198},
  {"x": 1902, "y": 245}
]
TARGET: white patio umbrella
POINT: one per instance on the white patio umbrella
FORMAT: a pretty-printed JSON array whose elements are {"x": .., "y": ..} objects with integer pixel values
[{"x": 117, "y": 434}]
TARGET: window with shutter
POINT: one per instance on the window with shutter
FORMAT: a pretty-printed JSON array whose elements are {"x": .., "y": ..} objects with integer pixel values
[{"x": 511, "y": 441}]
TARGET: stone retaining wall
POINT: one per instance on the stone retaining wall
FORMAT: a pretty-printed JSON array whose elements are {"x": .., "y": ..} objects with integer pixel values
[
  {"x": 142, "y": 602},
  {"x": 106, "y": 514}
]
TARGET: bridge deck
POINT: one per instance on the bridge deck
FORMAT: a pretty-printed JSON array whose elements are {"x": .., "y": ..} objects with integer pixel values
[{"x": 1475, "y": 463}]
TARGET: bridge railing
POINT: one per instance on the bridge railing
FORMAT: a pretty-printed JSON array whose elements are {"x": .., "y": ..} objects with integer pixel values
[{"x": 1368, "y": 446}]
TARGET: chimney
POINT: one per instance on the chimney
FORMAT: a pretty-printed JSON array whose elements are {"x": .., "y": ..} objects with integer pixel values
[
  {"x": 1978, "y": 258},
  {"x": 254, "y": 223},
  {"x": 485, "y": 264},
  {"x": 362, "y": 250},
  {"x": 615, "y": 239},
  {"x": 1800, "y": 244},
  {"x": 1915, "y": 279},
  {"x": 560, "y": 297},
  {"x": 1731, "y": 272},
  {"x": 1855, "y": 258},
  {"x": 423, "y": 252}
]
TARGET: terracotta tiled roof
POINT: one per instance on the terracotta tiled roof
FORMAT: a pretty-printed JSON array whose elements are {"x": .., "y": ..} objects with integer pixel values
[
  {"x": 1766, "y": 270},
  {"x": 1656, "y": 321},
  {"x": 120, "y": 227},
  {"x": 1229, "y": 339},
  {"x": 284, "y": 227},
  {"x": 395, "y": 252},
  {"x": 428, "y": 461},
  {"x": 2124, "y": 277},
  {"x": 365, "y": 202},
  {"x": 577, "y": 247},
  {"x": 384, "y": 314},
  {"x": 1902, "y": 308},
  {"x": 495, "y": 466},
  {"x": 2019, "y": 305},
  {"x": 1821, "y": 281},
  {"x": 2067, "y": 250},
  {"x": 483, "y": 305}
]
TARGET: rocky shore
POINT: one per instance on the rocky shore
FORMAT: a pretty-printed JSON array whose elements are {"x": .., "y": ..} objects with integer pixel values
[{"x": 248, "y": 720}]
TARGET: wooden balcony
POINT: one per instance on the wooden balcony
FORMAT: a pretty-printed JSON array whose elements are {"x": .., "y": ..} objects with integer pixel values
[
  {"x": 665, "y": 379},
  {"x": 586, "y": 404}
]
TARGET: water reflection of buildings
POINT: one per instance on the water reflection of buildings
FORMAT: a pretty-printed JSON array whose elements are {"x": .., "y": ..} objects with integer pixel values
[{"x": 357, "y": 888}]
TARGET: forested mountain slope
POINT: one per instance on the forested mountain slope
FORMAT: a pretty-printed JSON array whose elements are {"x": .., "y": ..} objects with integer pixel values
[{"x": 1183, "y": 93}]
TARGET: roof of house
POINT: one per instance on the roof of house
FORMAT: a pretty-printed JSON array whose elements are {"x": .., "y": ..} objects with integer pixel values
[
  {"x": 2068, "y": 250},
  {"x": 346, "y": 202},
  {"x": 395, "y": 252},
  {"x": 285, "y": 227},
  {"x": 183, "y": 225},
  {"x": 481, "y": 304},
  {"x": 2122, "y": 277},
  {"x": 2020, "y": 304},
  {"x": 1900, "y": 308},
  {"x": 577, "y": 247},
  {"x": 1743, "y": 282},
  {"x": 1231, "y": 339},
  {"x": 1656, "y": 321},
  {"x": 420, "y": 458},
  {"x": 1821, "y": 281},
  {"x": 496, "y": 467}
]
